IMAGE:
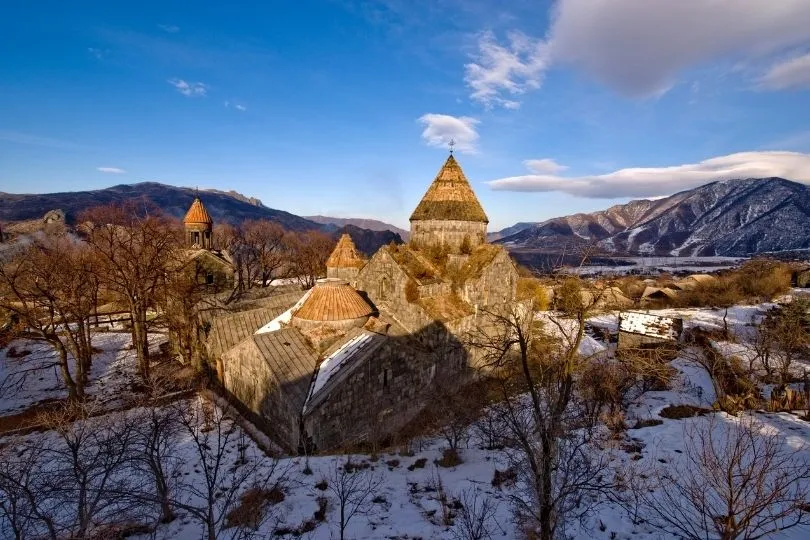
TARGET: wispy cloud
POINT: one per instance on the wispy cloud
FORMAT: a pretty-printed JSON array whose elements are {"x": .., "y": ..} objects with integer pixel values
[
  {"x": 98, "y": 54},
  {"x": 190, "y": 89},
  {"x": 500, "y": 73},
  {"x": 237, "y": 106},
  {"x": 170, "y": 28},
  {"x": 544, "y": 166},
  {"x": 26, "y": 138},
  {"x": 441, "y": 129},
  {"x": 660, "y": 181},
  {"x": 111, "y": 170},
  {"x": 791, "y": 74}
]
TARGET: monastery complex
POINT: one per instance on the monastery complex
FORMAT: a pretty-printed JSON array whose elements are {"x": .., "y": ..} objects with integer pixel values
[{"x": 356, "y": 357}]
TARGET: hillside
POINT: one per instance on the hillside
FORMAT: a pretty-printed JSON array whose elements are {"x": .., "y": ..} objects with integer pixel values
[
  {"x": 223, "y": 207},
  {"x": 369, "y": 224},
  {"x": 733, "y": 218}
]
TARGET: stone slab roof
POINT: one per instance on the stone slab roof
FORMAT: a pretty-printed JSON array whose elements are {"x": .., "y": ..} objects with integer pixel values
[
  {"x": 290, "y": 359},
  {"x": 450, "y": 197},
  {"x": 345, "y": 254},
  {"x": 229, "y": 330},
  {"x": 338, "y": 361},
  {"x": 197, "y": 214},
  {"x": 333, "y": 300}
]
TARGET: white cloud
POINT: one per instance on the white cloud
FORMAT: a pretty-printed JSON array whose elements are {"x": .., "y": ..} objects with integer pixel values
[
  {"x": 499, "y": 70},
  {"x": 170, "y": 28},
  {"x": 190, "y": 89},
  {"x": 544, "y": 166},
  {"x": 641, "y": 47},
  {"x": 236, "y": 106},
  {"x": 658, "y": 181},
  {"x": 240, "y": 107},
  {"x": 112, "y": 170},
  {"x": 789, "y": 74},
  {"x": 98, "y": 54},
  {"x": 440, "y": 129}
]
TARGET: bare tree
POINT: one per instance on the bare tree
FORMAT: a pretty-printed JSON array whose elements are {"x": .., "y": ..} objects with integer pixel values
[
  {"x": 736, "y": 480},
  {"x": 788, "y": 328},
  {"x": 156, "y": 456},
  {"x": 536, "y": 373},
  {"x": 353, "y": 487},
  {"x": 87, "y": 462},
  {"x": 133, "y": 245},
  {"x": 213, "y": 438},
  {"x": 308, "y": 254},
  {"x": 266, "y": 249},
  {"x": 475, "y": 520},
  {"x": 49, "y": 289}
]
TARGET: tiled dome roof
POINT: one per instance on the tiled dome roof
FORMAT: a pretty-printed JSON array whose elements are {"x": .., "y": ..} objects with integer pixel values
[
  {"x": 450, "y": 197},
  {"x": 345, "y": 254},
  {"x": 333, "y": 300},
  {"x": 197, "y": 214}
]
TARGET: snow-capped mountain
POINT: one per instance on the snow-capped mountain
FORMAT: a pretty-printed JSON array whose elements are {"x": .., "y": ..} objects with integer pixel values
[{"x": 730, "y": 217}]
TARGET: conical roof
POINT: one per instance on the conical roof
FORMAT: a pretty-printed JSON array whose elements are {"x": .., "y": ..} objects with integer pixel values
[
  {"x": 450, "y": 197},
  {"x": 197, "y": 214},
  {"x": 345, "y": 254},
  {"x": 333, "y": 300}
]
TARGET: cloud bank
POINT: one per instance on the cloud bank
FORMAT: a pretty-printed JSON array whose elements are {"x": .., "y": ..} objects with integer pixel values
[
  {"x": 662, "y": 181},
  {"x": 640, "y": 47},
  {"x": 440, "y": 129}
]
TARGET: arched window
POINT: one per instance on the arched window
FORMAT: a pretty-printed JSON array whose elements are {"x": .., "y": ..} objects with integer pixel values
[{"x": 385, "y": 288}]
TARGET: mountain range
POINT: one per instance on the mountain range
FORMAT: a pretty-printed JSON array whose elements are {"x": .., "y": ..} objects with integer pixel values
[
  {"x": 370, "y": 224},
  {"x": 729, "y": 217},
  {"x": 223, "y": 206}
]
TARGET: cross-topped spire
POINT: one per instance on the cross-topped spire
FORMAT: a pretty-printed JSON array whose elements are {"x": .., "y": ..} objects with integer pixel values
[{"x": 451, "y": 145}]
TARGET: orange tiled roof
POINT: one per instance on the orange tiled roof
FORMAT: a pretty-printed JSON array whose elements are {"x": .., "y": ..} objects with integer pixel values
[
  {"x": 197, "y": 213},
  {"x": 333, "y": 300}
]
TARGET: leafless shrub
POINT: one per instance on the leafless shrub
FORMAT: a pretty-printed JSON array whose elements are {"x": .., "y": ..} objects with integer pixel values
[
  {"x": 735, "y": 481},
  {"x": 475, "y": 519},
  {"x": 353, "y": 489}
]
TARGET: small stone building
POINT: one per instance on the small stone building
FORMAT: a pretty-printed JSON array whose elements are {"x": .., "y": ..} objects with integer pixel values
[
  {"x": 371, "y": 341},
  {"x": 638, "y": 330}
]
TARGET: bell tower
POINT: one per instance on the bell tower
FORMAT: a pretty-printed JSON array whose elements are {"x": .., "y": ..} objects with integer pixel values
[{"x": 199, "y": 226}]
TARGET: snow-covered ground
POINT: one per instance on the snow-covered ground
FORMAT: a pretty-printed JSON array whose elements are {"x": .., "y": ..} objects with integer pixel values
[
  {"x": 32, "y": 378},
  {"x": 408, "y": 502}
]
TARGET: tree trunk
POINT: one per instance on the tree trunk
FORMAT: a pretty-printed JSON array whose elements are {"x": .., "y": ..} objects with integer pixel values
[{"x": 74, "y": 393}]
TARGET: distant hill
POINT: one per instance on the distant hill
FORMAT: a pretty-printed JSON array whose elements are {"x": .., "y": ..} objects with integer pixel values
[
  {"x": 223, "y": 206},
  {"x": 730, "y": 217},
  {"x": 370, "y": 224}
]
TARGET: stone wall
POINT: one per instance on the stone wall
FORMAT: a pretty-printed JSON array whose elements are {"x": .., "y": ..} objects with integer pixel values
[
  {"x": 347, "y": 274},
  {"x": 248, "y": 378},
  {"x": 450, "y": 234},
  {"x": 496, "y": 284},
  {"x": 384, "y": 391}
]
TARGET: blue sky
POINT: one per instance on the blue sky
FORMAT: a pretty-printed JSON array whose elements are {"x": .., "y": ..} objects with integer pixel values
[{"x": 345, "y": 108}]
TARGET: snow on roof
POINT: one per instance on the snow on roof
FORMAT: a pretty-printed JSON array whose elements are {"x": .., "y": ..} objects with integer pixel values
[
  {"x": 332, "y": 364},
  {"x": 284, "y": 318},
  {"x": 646, "y": 324}
]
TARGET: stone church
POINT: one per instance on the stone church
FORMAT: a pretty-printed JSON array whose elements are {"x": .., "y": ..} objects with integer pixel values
[{"x": 357, "y": 356}]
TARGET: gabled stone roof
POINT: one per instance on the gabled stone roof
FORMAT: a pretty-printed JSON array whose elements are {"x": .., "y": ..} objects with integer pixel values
[
  {"x": 450, "y": 197},
  {"x": 345, "y": 254},
  {"x": 333, "y": 300},
  {"x": 197, "y": 214}
]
